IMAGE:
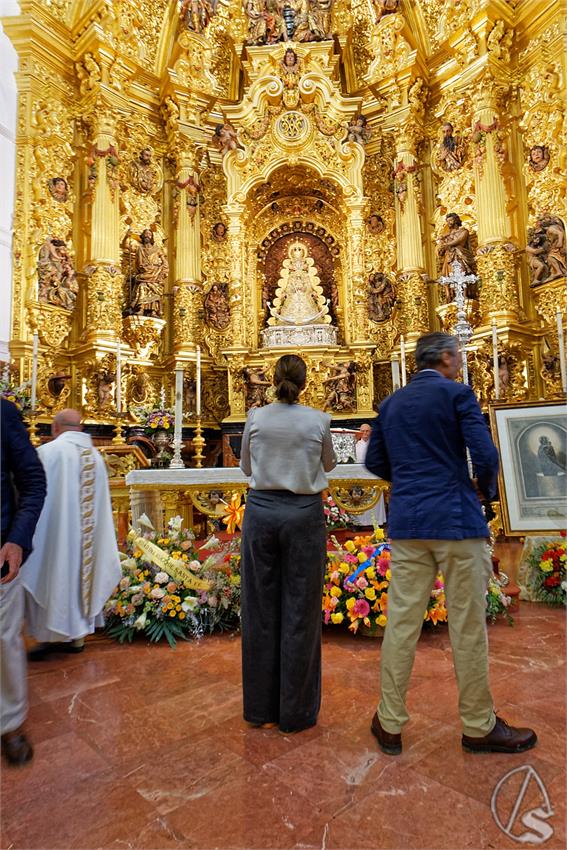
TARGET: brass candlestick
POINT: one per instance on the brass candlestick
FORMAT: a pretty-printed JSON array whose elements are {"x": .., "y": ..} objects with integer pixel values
[
  {"x": 32, "y": 428},
  {"x": 199, "y": 444},
  {"x": 118, "y": 439}
]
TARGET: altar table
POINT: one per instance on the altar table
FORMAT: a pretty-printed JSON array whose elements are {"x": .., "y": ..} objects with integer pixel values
[{"x": 165, "y": 493}]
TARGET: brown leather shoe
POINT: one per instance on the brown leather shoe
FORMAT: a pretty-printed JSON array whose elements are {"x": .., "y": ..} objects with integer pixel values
[
  {"x": 389, "y": 744},
  {"x": 16, "y": 748},
  {"x": 502, "y": 739}
]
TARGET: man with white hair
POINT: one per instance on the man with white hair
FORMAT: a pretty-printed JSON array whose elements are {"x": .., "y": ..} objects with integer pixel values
[
  {"x": 75, "y": 564},
  {"x": 377, "y": 514}
]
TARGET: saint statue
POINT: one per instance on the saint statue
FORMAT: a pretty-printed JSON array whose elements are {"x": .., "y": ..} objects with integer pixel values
[
  {"x": 145, "y": 176},
  {"x": 57, "y": 280},
  {"x": 299, "y": 297},
  {"x": 217, "y": 309},
  {"x": 151, "y": 272},
  {"x": 454, "y": 247},
  {"x": 451, "y": 151},
  {"x": 381, "y": 297},
  {"x": 58, "y": 189}
]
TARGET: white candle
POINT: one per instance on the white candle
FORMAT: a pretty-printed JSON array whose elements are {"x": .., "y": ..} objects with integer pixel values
[
  {"x": 118, "y": 378},
  {"x": 34, "y": 371},
  {"x": 561, "y": 339},
  {"x": 395, "y": 363},
  {"x": 403, "y": 359},
  {"x": 198, "y": 381},
  {"x": 495, "y": 360},
  {"x": 178, "y": 403}
]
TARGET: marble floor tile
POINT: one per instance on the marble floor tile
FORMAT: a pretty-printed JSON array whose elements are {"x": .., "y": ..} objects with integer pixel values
[{"x": 139, "y": 746}]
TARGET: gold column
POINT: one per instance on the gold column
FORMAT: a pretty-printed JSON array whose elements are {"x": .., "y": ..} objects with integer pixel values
[
  {"x": 496, "y": 258},
  {"x": 187, "y": 262},
  {"x": 104, "y": 283},
  {"x": 236, "y": 288},
  {"x": 413, "y": 318},
  {"x": 359, "y": 322}
]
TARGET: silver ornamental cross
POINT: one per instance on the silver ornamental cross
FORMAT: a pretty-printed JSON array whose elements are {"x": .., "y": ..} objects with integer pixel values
[{"x": 458, "y": 281}]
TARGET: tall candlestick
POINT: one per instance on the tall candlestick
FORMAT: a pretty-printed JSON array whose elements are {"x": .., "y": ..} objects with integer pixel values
[
  {"x": 395, "y": 363},
  {"x": 118, "y": 378},
  {"x": 561, "y": 339},
  {"x": 495, "y": 360},
  {"x": 403, "y": 359},
  {"x": 34, "y": 371},
  {"x": 176, "y": 462},
  {"x": 198, "y": 381}
]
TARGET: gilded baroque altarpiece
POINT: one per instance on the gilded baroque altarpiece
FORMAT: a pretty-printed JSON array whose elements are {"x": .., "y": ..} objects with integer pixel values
[{"x": 170, "y": 155}]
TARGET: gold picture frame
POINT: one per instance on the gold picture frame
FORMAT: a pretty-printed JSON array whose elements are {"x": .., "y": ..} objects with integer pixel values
[{"x": 532, "y": 441}]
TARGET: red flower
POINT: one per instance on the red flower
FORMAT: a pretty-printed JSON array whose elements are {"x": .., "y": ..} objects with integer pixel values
[{"x": 553, "y": 580}]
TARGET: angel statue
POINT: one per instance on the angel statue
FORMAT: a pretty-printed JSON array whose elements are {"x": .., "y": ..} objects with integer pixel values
[{"x": 225, "y": 138}]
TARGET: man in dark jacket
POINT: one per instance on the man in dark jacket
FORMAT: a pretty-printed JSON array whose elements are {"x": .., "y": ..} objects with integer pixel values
[
  {"x": 23, "y": 493},
  {"x": 419, "y": 442}
]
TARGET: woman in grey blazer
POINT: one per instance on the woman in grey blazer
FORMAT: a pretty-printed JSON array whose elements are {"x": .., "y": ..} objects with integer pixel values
[{"x": 286, "y": 450}]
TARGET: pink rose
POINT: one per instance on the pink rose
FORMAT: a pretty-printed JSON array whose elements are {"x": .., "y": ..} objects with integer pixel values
[
  {"x": 361, "y": 582},
  {"x": 361, "y": 608},
  {"x": 185, "y": 544}
]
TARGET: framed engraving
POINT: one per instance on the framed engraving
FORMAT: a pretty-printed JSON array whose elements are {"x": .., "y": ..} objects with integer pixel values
[{"x": 532, "y": 440}]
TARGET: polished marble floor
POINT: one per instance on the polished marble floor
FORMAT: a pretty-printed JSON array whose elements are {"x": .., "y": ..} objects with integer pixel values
[{"x": 144, "y": 747}]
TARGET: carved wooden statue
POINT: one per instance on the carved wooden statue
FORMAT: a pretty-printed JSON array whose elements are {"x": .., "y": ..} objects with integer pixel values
[{"x": 57, "y": 280}]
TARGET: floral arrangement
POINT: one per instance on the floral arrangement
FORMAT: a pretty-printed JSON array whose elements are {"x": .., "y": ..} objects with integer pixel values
[
  {"x": 548, "y": 573},
  {"x": 436, "y": 609},
  {"x": 335, "y": 516},
  {"x": 497, "y": 603},
  {"x": 357, "y": 579},
  {"x": 161, "y": 418},
  {"x": 152, "y": 601},
  {"x": 356, "y": 582},
  {"x": 20, "y": 395}
]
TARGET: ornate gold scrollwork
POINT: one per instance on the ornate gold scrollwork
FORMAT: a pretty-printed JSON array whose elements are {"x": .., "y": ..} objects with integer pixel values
[{"x": 358, "y": 496}]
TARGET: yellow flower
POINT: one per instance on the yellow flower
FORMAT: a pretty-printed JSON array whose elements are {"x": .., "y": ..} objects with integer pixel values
[
  {"x": 361, "y": 557},
  {"x": 336, "y": 591},
  {"x": 344, "y": 568},
  {"x": 379, "y": 534},
  {"x": 350, "y": 603},
  {"x": 136, "y": 553},
  {"x": 370, "y": 573},
  {"x": 381, "y": 620},
  {"x": 349, "y": 546},
  {"x": 181, "y": 615},
  {"x": 154, "y": 424},
  {"x": 172, "y": 613},
  {"x": 337, "y": 618},
  {"x": 184, "y": 557},
  {"x": 370, "y": 593},
  {"x": 546, "y": 566},
  {"x": 388, "y": 574}
]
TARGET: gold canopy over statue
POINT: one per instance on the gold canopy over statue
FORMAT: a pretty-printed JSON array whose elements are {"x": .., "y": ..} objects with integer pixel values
[{"x": 299, "y": 297}]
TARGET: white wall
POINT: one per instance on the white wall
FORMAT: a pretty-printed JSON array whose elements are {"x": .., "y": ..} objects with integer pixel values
[{"x": 8, "y": 105}]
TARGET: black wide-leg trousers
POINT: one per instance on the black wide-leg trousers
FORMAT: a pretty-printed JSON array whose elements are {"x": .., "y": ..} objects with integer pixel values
[{"x": 283, "y": 561}]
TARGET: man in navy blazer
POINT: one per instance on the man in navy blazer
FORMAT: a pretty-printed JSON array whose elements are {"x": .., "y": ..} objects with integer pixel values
[
  {"x": 23, "y": 490},
  {"x": 419, "y": 442}
]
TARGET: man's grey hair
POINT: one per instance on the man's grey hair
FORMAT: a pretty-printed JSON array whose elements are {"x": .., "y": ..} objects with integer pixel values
[{"x": 431, "y": 347}]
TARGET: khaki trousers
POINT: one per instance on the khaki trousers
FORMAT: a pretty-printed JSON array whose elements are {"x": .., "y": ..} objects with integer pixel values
[
  {"x": 466, "y": 566},
  {"x": 13, "y": 671}
]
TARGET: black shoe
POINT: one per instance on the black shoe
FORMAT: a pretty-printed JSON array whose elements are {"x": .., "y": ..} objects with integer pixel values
[
  {"x": 16, "y": 748},
  {"x": 502, "y": 739},
  {"x": 43, "y": 650},
  {"x": 286, "y": 730},
  {"x": 389, "y": 743}
]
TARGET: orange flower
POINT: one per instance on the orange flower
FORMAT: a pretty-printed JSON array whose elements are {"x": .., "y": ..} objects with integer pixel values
[{"x": 234, "y": 513}]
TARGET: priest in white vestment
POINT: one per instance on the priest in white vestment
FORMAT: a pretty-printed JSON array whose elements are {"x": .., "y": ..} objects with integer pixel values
[
  {"x": 74, "y": 566},
  {"x": 377, "y": 514}
]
